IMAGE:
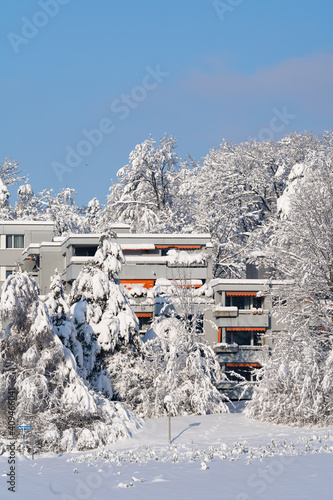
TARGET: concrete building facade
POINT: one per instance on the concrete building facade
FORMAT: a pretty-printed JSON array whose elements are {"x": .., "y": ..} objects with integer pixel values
[{"x": 236, "y": 314}]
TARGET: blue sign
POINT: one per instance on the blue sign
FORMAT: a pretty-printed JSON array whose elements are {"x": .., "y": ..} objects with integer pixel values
[{"x": 24, "y": 427}]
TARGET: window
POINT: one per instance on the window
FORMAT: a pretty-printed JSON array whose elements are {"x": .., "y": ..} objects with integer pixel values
[
  {"x": 85, "y": 251},
  {"x": 164, "y": 252},
  {"x": 244, "y": 337},
  {"x": 246, "y": 301},
  {"x": 14, "y": 241},
  {"x": 238, "y": 301},
  {"x": 8, "y": 272},
  {"x": 144, "y": 321}
]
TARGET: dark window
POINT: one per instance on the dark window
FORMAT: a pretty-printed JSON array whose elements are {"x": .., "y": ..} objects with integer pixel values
[
  {"x": 258, "y": 302},
  {"x": 8, "y": 272},
  {"x": 247, "y": 337},
  {"x": 240, "y": 301},
  {"x": 85, "y": 251},
  {"x": 14, "y": 241},
  {"x": 244, "y": 301},
  {"x": 144, "y": 323}
]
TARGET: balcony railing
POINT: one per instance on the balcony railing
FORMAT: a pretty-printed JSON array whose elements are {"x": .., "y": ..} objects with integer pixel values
[{"x": 232, "y": 317}]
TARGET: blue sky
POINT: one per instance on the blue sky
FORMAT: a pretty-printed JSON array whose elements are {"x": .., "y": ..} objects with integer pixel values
[{"x": 97, "y": 77}]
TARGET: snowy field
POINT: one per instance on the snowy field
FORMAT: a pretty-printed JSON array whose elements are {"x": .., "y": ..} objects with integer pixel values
[{"x": 224, "y": 456}]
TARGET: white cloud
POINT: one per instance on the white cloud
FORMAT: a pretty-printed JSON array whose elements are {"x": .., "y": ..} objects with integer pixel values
[{"x": 308, "y": 80}]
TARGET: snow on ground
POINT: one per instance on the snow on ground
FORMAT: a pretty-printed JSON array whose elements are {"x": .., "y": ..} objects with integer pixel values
[{"x": 224, "y": 456}]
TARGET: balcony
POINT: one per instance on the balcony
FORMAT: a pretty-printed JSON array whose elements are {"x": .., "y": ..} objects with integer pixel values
[
  {"x": 233, "y": 353},
  {"x": 232, "y": 317}
]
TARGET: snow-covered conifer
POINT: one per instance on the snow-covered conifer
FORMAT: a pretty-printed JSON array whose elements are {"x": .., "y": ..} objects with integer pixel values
[
  {"x": 51, "y": 397},
  {"x": 61, "y": 319},
  {"x": 103, "y": 319}
]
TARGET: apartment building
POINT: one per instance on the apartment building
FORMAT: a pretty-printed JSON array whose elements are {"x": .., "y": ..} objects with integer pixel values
[
  {"x": 236, "y": 314},
  {"x": 152, "y": 262},
  {"x": 17, "y": 235}
]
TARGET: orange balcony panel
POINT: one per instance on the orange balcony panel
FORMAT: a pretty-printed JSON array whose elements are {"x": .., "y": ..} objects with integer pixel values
[{"x": 133, "y": 283}]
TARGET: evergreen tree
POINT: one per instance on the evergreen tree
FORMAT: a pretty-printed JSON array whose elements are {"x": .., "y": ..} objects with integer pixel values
[
  {"x": 103, "y": 319},
  {"x": 62, "y": 322},
  {"x": 51, "y": 396}
]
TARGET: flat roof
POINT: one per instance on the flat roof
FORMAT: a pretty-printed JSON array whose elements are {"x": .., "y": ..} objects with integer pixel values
[{"x": 27, "y": 223}]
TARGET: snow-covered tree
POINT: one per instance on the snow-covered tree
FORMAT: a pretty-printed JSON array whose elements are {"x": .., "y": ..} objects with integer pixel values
[
  {"x": 63, "y": 412},
  {"x": 297, "y": 379},
  {"x": 94, "y": 216},
  {"x": 191, "y": 372},
  {"x": 10, "y": 173},
  {"x": 103, "y": 319},
  {"x": 61, "y": 319},
  {"x": 5, "y": 211},
  {"x": 28, "y": 205},
  {"x": 143, "y": 192},
  {"x": 175, "y": 360},
  {"x": 236, "y": 190},
  {"x": 62, "y": 209}
]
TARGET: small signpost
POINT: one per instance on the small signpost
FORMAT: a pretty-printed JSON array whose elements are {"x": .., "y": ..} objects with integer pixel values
[
  {"x": 24, "y": 428},
  {"x": 168, "y": 400}
]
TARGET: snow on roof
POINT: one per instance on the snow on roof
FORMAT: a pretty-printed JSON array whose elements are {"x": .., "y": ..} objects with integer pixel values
[
  {"x": 137, "y": 246},
  {"x": 166, "y": 282},
  {"x": 79, "y": 259},
  {"x": 219, "y": 281},
  {"x": 147, "y": 258},
  {"x": 33, "y": 246},
  {"x": 168, "y": 236},
  {"x": 27, "y": 222},
  {"x": 119, "y": 224}
]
